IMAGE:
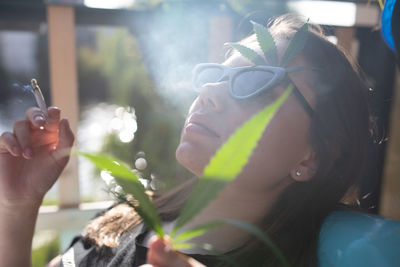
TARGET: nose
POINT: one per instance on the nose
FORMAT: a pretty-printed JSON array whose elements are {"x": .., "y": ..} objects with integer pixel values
[{"x": 214, "y": 96}]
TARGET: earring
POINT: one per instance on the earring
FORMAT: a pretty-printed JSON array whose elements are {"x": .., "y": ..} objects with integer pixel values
[{"x": 298, "y": 173}]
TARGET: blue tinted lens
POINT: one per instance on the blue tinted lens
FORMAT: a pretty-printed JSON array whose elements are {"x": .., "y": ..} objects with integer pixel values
[
  {"x": 249, "y": 82},
  {"x": 208, "y": 75}
]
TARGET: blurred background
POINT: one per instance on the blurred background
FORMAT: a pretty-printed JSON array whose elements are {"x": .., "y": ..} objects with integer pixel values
[{"x": 121, "y": 72}]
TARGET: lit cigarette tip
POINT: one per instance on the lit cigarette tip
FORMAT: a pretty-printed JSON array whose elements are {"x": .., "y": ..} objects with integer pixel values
[{"x": 34, "y": 83}]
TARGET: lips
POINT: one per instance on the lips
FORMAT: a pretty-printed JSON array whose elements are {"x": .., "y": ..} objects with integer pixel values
[{"x": 200, "y": 124}]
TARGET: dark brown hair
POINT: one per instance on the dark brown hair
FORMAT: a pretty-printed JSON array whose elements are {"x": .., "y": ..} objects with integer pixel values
[{"x": 339, "y": 135}]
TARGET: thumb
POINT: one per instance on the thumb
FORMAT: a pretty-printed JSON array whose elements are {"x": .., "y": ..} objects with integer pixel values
[
  {"x": 161, "y": 254},
  {"x": 65, "y": 141}
]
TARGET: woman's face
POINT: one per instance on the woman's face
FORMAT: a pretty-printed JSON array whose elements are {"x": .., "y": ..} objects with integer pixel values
[{"x": 215, "y": 115}]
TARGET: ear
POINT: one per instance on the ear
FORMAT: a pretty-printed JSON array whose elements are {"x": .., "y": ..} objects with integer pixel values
[{"x": 305, "y": 169}]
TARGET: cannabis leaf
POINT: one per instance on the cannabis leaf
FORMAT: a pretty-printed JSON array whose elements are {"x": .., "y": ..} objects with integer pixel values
[
  {"x": 247, "y": 227},
  {"x": 267, "y": 43},
  {"x": 295, "y": 46},
  {"x": 269, "y": 49},
  {"x": 223, "y": 167},
  {"x": 261, "y": 236},
  {"x": 228, "y": 161},
  {"x": 131, "y": 185},
  {"x": 249, "y": 53}
]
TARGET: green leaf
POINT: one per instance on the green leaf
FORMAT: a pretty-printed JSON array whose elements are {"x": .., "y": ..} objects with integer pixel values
[
  {"x": 228, "y": 161},
  {"x": 295, "y": 46},
  {"x": 197, "y": 231},
  {"x": 260, "y": 235},
  {"x": 179, "y": 246},
  {"x": 131, "y": 185},
  {"x": 267, "y": 43},
  {"x": 234, "y": 154},
  {"x": 249, "y": 53},
  {"x": 110, "y": 164},
  {"x": 247, "y": 227}
]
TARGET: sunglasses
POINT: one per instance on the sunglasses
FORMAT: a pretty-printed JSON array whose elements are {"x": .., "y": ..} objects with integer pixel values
[{"x": 248, "y": 81}]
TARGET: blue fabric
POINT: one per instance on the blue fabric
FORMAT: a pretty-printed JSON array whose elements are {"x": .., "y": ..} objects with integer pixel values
[
  {"x": 358, "y": 240},
  {"x": 386, "y": 20}
]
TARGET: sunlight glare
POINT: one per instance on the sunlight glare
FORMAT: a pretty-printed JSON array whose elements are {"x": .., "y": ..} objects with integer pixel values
[
  {"x": 326, "y": 12},
  {"x": 107, "y": 177},
  {"x": 126, "y": 136},
  {"x": 108, "y": 4}
]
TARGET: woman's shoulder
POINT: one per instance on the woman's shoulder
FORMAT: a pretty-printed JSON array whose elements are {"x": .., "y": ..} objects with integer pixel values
[
  {"x": 352, "y": 238},
  {"x": 83, "y": 252},
  {"x": 102, "y": 242}
]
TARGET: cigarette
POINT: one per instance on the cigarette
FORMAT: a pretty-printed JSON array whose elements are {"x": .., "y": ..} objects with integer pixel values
[{"x": 39, "y": 98}]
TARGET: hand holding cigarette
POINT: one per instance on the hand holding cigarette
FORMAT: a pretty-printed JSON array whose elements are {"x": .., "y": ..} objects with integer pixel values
[
  {"x": 39, "y": 98},
  {"x": 32, "y": 156}
]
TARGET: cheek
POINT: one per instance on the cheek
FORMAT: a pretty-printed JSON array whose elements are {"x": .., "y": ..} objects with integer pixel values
[
  {"x": 280, "y": 149},
  {"x": 194, "y": 153}
]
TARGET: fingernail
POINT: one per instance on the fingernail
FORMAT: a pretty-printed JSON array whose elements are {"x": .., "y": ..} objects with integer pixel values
[
  {"x": 28, "y": 153},
  {"x": 66, "y": 124},
  {"x": 38, "y": 118},
  {"x": 16, "y": 150},
  {"x": 54, "y": 113}
]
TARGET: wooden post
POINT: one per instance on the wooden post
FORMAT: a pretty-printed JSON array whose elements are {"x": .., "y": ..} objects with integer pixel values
[
  {"x": 390, "y": 191},
  {"x": 64, "y": 89},
  {"x": 220, "y": 30},
  {"x": 346, "y": 40}
]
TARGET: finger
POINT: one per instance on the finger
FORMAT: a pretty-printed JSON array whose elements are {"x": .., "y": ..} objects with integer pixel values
[
  {"x": 22, "y": 134},
  {"x": 65, "y": 141},
  {"x": 161, "y": 254},
  {"x": 8, "y": 143},
  {"x": 36, "y": 117},
  {"x": 156, "y": 252},
  {"x": 54, "y": 119},
  {"x": 41, "y": 138}
]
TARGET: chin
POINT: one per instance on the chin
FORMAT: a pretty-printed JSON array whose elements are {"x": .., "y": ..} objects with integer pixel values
[{"x": 192, "y": 157}]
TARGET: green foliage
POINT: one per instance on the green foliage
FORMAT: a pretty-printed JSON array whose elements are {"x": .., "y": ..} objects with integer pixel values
[
  {"x": 267, "y": 43},
  {"x": 45, "y": 253},
  {"x": 295, "y": 46},
  {"x": 249, "y": 53},
  {"x": 114, "y": 72},
  {"x": 122, "y": 65},
  {"x": 116, "y": 63},
  {"x": 192, "y": 233},
  {"x": 50, "y": 201},
  {"x": 132, "y": 186}
]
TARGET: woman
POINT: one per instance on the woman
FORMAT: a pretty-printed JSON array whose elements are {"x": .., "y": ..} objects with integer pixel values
[{"x": 308, "y": 158}]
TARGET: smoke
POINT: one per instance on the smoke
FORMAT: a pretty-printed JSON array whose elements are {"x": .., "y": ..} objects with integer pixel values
[
  {"x": 173, "y": 40},
  {"x": 20, "y": 98},
  {"x": 24, "y": 88}
]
